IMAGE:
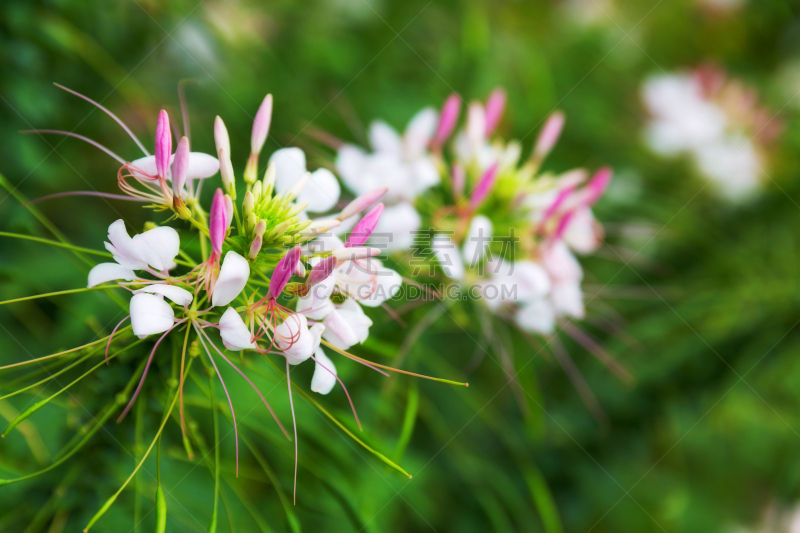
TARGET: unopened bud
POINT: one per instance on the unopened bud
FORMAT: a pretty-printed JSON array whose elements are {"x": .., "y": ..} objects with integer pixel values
[
  {"x": 269, "y": 178},
  {"x": 261, "y": 227},
  {"x": 362, "y": 202},
  {"x": 354, "y": 253},
  {"x": 249, "y": 203},
  {"x": 257, "y": 190},
  {"x": 221, "y": 139},
  {"x": 300, "y": 269},
  {"x": 226, "y": 171},
  {"x": 255, "y": 247},
  {"x": 251, "y": 222},
  {"x": 297, "y": 186}
]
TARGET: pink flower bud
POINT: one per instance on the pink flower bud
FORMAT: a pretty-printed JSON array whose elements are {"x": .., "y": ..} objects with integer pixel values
[
  {"x": 563, "y": 224},
  {"x": 218, "y": 221},
  {"x": 255, "y": 247},
  {"x": 597, "y": 185},
  {"x": 447, "y": 120},
  {"x": 362, "y": 202},
  {"x": 364, "y": 228},
  {"x": 321, "y": 270},
  {"x": 228, "y": 212},
  {"x": 549, "y": 135},
  {"x": 226, "y": 172},
  {"x": 221, "y": 139},
  {"x": 163, "y": 149},
  {"x": 459, "y": 178},
  {"x": 261, "y": 125},
  {"x": 484, "y": 187},
  {"x": 495, "y": 106},
  {"x": 283, "y": 272},
  {"x": 180, "y": 166},
  {"x": 300, "y": 269},
  {"x": 558, "y": 202}
]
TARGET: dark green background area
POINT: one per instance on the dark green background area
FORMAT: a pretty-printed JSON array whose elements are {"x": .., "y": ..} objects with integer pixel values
[{"x": 698, "y": 299}]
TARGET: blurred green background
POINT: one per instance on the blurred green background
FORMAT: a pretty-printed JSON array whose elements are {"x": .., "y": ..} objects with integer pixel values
[{"x": 698, "y": 298}]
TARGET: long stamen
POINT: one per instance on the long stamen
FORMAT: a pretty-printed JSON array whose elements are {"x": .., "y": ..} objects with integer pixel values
[
  {"x": 109, "y": 113},
  {"x": 294, "y": 424},
  {"x": 230, "y": 403},
  {"x": 81, "y": 137},
  {"x": 249, "y": 383},
  {"x": 108, "y": 344},
  {"x": 353, "y": 407},
  {"x": 87, "y": 193},
  {"x": 144, "y": 376}
]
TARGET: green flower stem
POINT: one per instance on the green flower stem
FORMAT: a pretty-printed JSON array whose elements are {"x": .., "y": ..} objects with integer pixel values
[
  {"x": 38, "y": 405},
  {"x": 55, "y": 243},
  {"x": 104, "y": 339},
  {"x": 59, "y": 293},
  {"x": 113, "y": 498}
]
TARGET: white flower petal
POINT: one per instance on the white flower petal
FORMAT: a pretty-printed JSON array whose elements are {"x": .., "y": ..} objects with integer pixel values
[
  {"x": 561, "y": 264},
  {"x": 176, "y": 294},
  {"x": 325, "y": 243},
  {"x": 477, "y": 241},
  {"x": 159, "y": 246},
  {"x": 422, "y": 176},
  {"x": 568, "y": 299},
  {"x": 529, "y": 279},
  {"x": 125, "y": 250},
  {"x": 295, "y": 340},
  {"x": 395, "y": 230},
  {"x": 388, "y": 284},
  {"x": 233, "y": 276},
  {"x": 419, "y": 132},
  {"x": 317, "y": 304},
  {"x": 537, "y": 316},
  {"x": 234, "y": 332},
  {"x": 347, "y": 325},
  {"x": 109, "y": 272},
  {"x": 321, "y": 192},
  {"x": 448, "y": 256},
  {"x": 324, "y": 373},
  {"x": 583, "y": 234},
  {"x": 150, "y": 314},
  {"x": 290, "y": 165},
  {"x": 147, "y": 166},
  {"x": 350, "y": 163},
  {"x": 202, "y": 166},
  {"x": 384, "y": 139}
]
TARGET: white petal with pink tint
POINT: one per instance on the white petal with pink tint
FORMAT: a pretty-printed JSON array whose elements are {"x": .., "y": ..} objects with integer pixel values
[
  {"x": 234, "y": 332},
  {"x": 385, "y": 139},
  {"x": 347, "y": 325},
  {"x": 109, "y": 272},
  {"x": 159, "y": 246},
  {"x": 290, "y": 166},
  {"x": 537, "y": 316},
  {"x": 324, "y": 373},
  {"x": 176, "y": 294},
  {"x": 125, "y": 250},
  {"x": 233, "y": 276},
  {"x": 321, "y": 192},
  {"x": 150, "y": 314}
]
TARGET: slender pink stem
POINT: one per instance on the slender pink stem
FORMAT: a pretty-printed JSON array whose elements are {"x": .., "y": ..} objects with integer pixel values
[
  {"x": 112, "y": 335},
  {"x": 144, "y": 375},
  {"x": 81, "y": 137},
  {"x": 294, "y": 425},
  {"x": 109, "y": 113},
  {"x": 266, "y": 403},
  {"x": 353, "y": 407},
  {"x": 86, "y": 193},
  {"x": 230, "y": 403}
]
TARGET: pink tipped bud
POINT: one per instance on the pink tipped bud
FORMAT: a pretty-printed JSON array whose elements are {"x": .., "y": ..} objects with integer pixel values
[
  {"x": 563, "y": 224},
  {"x": 221, "y": 139},
  {"x": 180, "y": 166},
  {"x": 459, "y": 177},
  {"x": 163, "y": 147},
  {"x": 218, "y": 222},
  {"x": 355, "y": 253},
  {"x": 364, "y": 228},
  {"x": 558, "y": 202},
  {"x": 362, "y": 202},
  {"x": 598, "y": 185},
  {"x": 548, "y": 136},
  {"x": 283, "y": 272},
  {"x": 226, "y": 172},
  {"x": 321, "y": 270},
  {"x": 255, "y": 247},
  {"x": 300, "y": 269},
  {"x": 261, "y": 125},
  {"x": 495, "y": 107},
  {"x": 484, "y": 186},
  {"x": 447, "y": 120},
  {"x": 228, "y": 212}
]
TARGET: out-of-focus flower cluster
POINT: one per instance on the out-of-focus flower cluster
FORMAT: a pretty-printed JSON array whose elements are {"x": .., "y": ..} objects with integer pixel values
[
  {"x": 715, "y": 120},
  {"x": 493, "y": 219}
]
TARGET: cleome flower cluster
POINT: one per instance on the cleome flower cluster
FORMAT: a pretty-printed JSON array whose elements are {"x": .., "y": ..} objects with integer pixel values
[{"x": 495, "y": 221}]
